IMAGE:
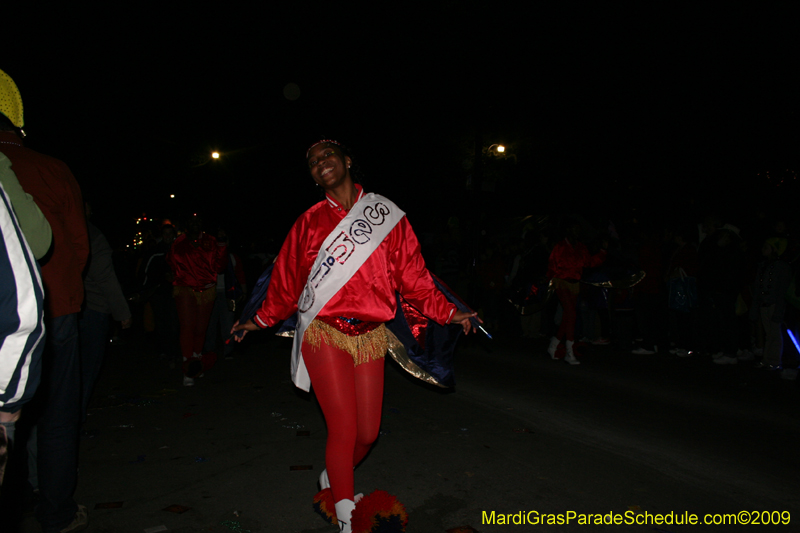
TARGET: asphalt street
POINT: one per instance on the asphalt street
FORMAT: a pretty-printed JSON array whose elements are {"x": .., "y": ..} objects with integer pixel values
[{"x": 620, "y": 436}]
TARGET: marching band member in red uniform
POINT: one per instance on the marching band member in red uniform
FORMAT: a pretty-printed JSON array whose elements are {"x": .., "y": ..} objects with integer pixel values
[
  {"x": 341, "y": 351},
  {"x": 565, "y": 267},
  {"x": 195, "y": 258}
]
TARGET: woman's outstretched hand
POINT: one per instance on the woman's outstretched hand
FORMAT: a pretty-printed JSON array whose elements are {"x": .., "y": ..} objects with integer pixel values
[
  {"x": 463, "y": 318},
  {"x": 247, "y": 326}
]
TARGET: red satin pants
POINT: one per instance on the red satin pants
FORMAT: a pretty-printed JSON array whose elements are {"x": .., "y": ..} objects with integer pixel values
[{"x": 193, "y": 316}]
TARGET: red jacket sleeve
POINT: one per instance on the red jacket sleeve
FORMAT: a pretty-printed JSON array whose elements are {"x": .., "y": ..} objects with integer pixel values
[
  {"x": 412, "y": 279},
  {"x": 596, "y": 259},
  {"x": 567, "y": 261}
]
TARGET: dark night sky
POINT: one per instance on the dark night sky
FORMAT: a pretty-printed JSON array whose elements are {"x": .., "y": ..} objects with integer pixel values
[{"x": 599, "y": 103}]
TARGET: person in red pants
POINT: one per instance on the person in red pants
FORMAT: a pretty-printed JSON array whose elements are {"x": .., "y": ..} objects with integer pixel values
[
  {"x": 195, "y": 258},
  {"x": 565, "y": 267},
  {"x": 339, "y": 269}
]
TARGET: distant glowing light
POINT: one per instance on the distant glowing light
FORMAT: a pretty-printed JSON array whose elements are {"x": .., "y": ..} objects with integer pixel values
[
  {"x": 779, "y": 178},
  {"x": 501, "y": 148},
  {"x": 215, "y": 155},
  {"x": 172, "y": 196}
]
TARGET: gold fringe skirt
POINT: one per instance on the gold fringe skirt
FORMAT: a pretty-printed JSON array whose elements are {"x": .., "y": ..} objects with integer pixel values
[
  {"x": 573, "y": 287},
  {"x": 205, "y": 296},
  {"x": 370, "y": 346}
]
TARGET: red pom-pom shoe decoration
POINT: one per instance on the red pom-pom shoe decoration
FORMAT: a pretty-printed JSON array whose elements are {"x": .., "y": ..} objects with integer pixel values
[
  {"x": 325, "y": 506},
  {"x": 379, "y": 512}
]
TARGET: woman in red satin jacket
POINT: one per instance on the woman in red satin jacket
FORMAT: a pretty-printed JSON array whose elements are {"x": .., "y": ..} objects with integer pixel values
[{"x": 343, "y": 348}]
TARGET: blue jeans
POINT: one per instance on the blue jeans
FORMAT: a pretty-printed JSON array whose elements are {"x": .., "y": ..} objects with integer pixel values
[
  {"x": 57, "y": 425},
  {"x": 93, "y": 340}
]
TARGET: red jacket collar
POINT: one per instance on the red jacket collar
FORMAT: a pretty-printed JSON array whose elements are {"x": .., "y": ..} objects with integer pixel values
[{"x": 335, "y": 205}]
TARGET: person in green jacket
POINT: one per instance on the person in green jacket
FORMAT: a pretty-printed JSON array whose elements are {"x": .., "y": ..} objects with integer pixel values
[{"x": 31, "y": 219}]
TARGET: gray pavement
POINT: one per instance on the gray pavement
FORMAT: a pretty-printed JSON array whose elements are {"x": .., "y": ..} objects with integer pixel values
[{"x": 242, "y": 449}]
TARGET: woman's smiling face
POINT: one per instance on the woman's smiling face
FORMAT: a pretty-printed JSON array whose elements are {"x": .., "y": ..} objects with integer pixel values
[{"x": 328, "y": 166}]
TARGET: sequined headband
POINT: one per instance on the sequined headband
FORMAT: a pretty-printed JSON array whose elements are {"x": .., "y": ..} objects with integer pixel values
[{"x": 330, "y": 141}]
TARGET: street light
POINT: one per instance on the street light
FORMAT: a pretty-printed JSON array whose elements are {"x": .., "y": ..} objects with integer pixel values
[
  {"x": 203, "y": 158},
  {"x": 499, "y": 150},
  {"x": 495, "y": 149}
]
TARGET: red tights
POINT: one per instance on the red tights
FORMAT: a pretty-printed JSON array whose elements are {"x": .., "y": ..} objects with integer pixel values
[
  {"x": 569, "y": 301},
  {"x": 193, "y": 318},
  {"x": 351, "y": 398}
]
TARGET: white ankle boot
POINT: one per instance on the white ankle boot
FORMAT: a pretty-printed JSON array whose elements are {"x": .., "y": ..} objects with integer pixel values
[
  {"x": 570, "y": 357},
  {"x": 344, "y": 509},
  {"x": 553, "y": 347},
  {"x": 324, "y": 483}
]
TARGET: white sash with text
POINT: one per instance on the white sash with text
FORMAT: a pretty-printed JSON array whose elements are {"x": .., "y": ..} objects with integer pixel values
[{"x": 343, "y": 252}]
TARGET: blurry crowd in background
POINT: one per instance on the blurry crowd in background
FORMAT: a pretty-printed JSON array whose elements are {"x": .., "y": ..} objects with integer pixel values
[{"x": 696, "y": 285}]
